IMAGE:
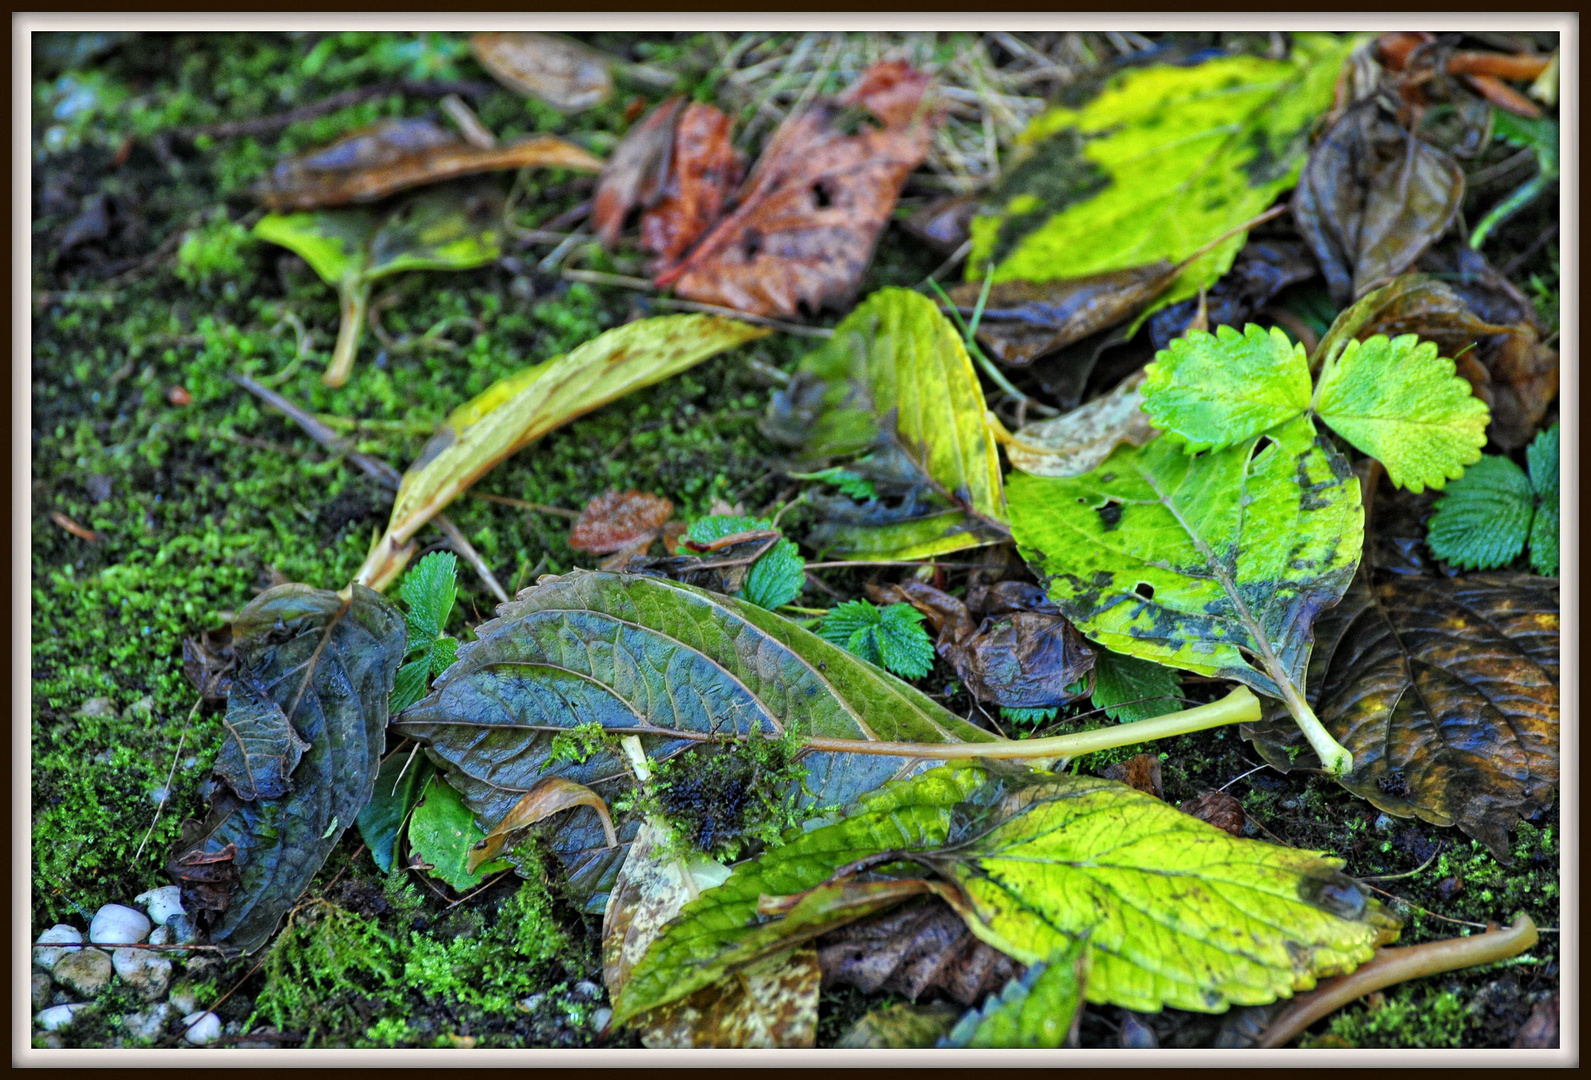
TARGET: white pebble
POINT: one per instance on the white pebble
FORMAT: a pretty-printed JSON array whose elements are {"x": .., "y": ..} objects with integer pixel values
[
  {"x": 150, "y": 1024},
  {"x": 144, "y": 970},
  {"x": 184, "y": 998},
  {"x": 117, "y": 924},
  {"x": 56, "y": 1017},
  {"x": 87, "y": 971},
  {"x": 161, "y": 935},
  {"x": 600, "y": 1018},
  {"x": 202, "y": 1028},
  {"x": 55, "y": 943},
  {"x": 161, "y": 903}
]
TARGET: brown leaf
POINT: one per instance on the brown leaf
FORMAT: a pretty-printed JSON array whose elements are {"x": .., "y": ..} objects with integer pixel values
[
  {"x": 1445, "y": 690},
  {"x": 1079, "y": 441},
  {"x": 1141, "y": 772},
  {"x": 209, "y": 663},
  {"x": 944, "y": 224},
  {"x": 649, "y": 892},
  {"x": 618, "y": 520},
  {"x": 1261, "y": 270},
  {"x": 770, "y": 1005},
  {"x": 637, "y": 171},
  {"x": 1022, "y": 656},
  {"x": 1219, "y": 809},
  {"x": 705, "y": 171},
  {"x": 550, "y": 796},
  {"x": 397, "y": 154},
  {"x": 920, "y": 948},
  {"x": 813, "y": 208},
  {"x": 1372, "y": 197},
  {"x": 556, "y": 70},
  {"x": 207, "y": 878}
]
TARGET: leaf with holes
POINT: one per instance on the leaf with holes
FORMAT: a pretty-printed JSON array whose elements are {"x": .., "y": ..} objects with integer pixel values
[
  {"x": 672, "y": 665},
  {"x": 327, "y": 665},
  {"x": 1446, "y": 692}
]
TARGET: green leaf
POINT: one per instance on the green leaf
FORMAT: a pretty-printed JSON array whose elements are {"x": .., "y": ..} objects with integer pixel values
[
  {"x": 411, "y": 681},
  {"x": 1540, "y": 136},
  {"x": 850, "y": 483},
  {"x": 1216, "y": 390},
  {"x": 1399, "y": 402},
  {"x": 448, "y": 227},
  {"x": 1035, "y": 1011},
  {"x": 1130, "y": 689},
  {"x": 522, "y": 407},
  {"x": 327, "y": 664},
  {"x": 443, "y": 653},
  {"x": 891, "y": 637},
  {"x": 895, "y": 383},
  {"x": 441, "y": 832},
  {"x": 403, "y": 776},
  {"x": 1483, "y": 519},
  {"x": 429, "y": 590},
  {"x": 1185, "y": 153},
  {"x": 674, "y": 665},
  {"x": 333, "y": 242},
  {"x": 1542, "y": 457},
  {"x": 779, "y": 573},
  {"x": 1173, "y": 911}
]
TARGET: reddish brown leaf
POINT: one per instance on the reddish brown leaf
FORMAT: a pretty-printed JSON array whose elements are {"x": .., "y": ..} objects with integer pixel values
[
  {"x": 557, "y": 70},
  {"x": 1141, "y": 772},
  {"x": 1219, "y": 809},
  {"x": 915, "y": 949},
  {"x": 704, "y": 174},
  {"x": 397, "y": 154},
  {"x": 618, "y": 520},
  {"x": 637, "y": 171},
  {"x": 813, "y": 208}
]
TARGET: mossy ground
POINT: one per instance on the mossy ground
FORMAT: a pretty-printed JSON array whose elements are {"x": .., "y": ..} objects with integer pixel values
[{"x": 200, "y": 497}]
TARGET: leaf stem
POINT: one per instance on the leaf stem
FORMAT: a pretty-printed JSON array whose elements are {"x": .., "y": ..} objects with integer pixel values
[
  {"x": 355, "y": 298},
  {"x": 1240, "y": 706},
  {"x": 1334, "y": 757}
]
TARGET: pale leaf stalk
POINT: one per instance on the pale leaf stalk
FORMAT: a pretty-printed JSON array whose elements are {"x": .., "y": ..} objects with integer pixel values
[
  {"x": 1334, "y": 757},
  {"x": 355, "y": 298}
]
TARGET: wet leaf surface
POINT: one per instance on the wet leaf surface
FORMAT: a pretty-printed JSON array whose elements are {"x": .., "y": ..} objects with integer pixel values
[
  {"x": 552, "y": 69},
  {"x": 1446, "y": 692},
  {"x": 667, "y": 663},
  {"x": 399, "y": 154},
  {"x": 1372, "y": 198},
  {"x": 552, "y": 796},
  {"x": 327, "y": 665},
  {"x": 811, "y": 211},
  {"x": 618, "y": 520}
]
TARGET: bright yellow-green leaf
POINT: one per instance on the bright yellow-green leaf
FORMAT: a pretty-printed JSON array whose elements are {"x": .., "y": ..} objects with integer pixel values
[
  {"x": 1186, "y": 153},
  {"x": 527, "y": 405},
  {"x": 333, "y": 242},
  {"x": 1216, "y": 390},
  {"x": 1402, "y": 404}
]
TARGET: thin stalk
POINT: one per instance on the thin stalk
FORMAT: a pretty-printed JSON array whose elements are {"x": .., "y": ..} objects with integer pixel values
[
  {"x": 1240, "y": 706},
  {"x": 355, "y": 304},
  {"x": 989, "y": 369}
]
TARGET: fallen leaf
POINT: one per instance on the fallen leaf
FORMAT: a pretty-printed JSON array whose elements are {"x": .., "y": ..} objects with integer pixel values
[
  {"x": 1078, "y": 441},
  {"x": 444, "y": 836},
  {"x": 618, "y": 520},
  {"x": 1219, "y": 809},
  {"x": 328, "y": 665},
  {"x": 943, "y": 224},
  {"x": 404, "y": 775},
  {"x": 261, "y": 749},
  {"x": 1262, "y": 269},
  {"x": 1446, "y": 692},
  {"x": 551, "y": 796},
  {"x": 895, "y": 385},
  {"x": 1165, "y": 159},
  {"x": 920, "y": 948},
  {"x": 672, "y": 665},
  {"x": 650, "y": 890},
  {"x": 704, "y": 172},
  {"x": 209, "y": 662},
  {"x": 1540, "y": 1031},
  {"x": 900, "y": 1026},
  {"x": 553, "y": 69},
  {"x": 812, "y": 209},
  {"x": 399, "y": 154},
  {"x": 1372, "y": 198},
  {"x": 1038, "y": 1010},
  {"x": 519, "y": 409},
  {"x": 1128, "y": 689},
  {"x": 1141, "y": 772},
  {"x": 772, "y": 1005},
  {"x": 636, "y": 172}
]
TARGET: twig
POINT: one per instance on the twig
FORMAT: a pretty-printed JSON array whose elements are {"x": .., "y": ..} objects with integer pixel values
[
  {"x": 1407, "y": 873},
  {"x": 595, "y": 277},
  {"x": 467, "y": 552},
  {"x": 266, "y": 125},
  {"x": 540, "y": 508},
  {"x": 846, "y": 563},
  {"x": 170, "y": 775}
]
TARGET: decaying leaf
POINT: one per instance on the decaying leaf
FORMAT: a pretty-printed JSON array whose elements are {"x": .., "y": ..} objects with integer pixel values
[
  {"x": 676, "y": 667},
  {"x": 900, "y": 1027},
  {"x": 1164, "y": 160},
  {"x": 1446, "y": 692},
  {"x": 637, "y": 171},
  {"x": 650, "y": 890},
  {"x": 1078, "y": 441},
  {"x": 704, "y": 172},
  {"x": 399, "y": 154},
  {"x": 327, "y": 665},
  {"x": 920, "y": 949},
  {"x": 444, "y": 837},
  {"x": 1036, "y": 862},
  {"x": 771, "y": 1005},
  {"x": 812, "y": 209},
  {"x": 1141, "y": 772},
  {"x": 895, "y": 385},
  {"x": 943, "y": 223},
  {"x": 1219, "y": 809},
  {"x": 517, "y": 410},
  {"x": 618, "y": 520},
  {"x": 552, "y": 796},
  {"x": 261, "y": 749},
  {"x": 1023, "y": 655},
  {"x": 1037, "y": 1010},
  {"x": 1261, "y": 270},
  {"x": 210, "y": 663},
  {"x": 556, "y": 70},
  {"x": 1372, "y": 198}
]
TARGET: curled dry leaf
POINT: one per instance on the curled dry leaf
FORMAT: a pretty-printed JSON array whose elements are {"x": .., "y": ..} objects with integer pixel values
[
  {"x": 618, "y": 520},
  {"x": 1372, "y": 198},
  {"x": 920, "y": 948},
  {"x": 209, "y": 662},
  {"x": 398, "y": 154},
  {"x": 1219, "y": 809},
  {"x": 1141, "y": 772},
  {"x": 556, "y": 70},
  {"x": 1446, "y": 692},
  {"x": 553, "y": 795},
  {"x": 814, "y": 205},
  {"x": 636, "y": 171},
  {"x": 1079, "y": 441}
]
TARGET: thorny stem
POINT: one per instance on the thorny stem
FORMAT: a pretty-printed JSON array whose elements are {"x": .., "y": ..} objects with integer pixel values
[
  {"x": 355, "y": 302},
  {"x": 1240, "y": 706},
  {"x": 1392, "y": 966}
]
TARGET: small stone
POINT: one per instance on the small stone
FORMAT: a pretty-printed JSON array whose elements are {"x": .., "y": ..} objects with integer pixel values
[
  {"x": 118, "y": 924},
  {"x": 600, "y": 1018},
  {"x": 55, "y": 943},
  {"x": 161, "y": 935},
  {"x": 149, "y": 1024},
  {"x": 144, "y": 970},
  {"x": 1384, "y": 823},
  {"x": 1135, "y": 1034},
  {"x": 98, "y": 706},
  {"x": 530, "y": 1003},
  {"x": 201, "y": 1028},
  {"x": 183, "y": 928},
  {"x": 52, "y": 1041},
  {"x": 183, "y": 998},
  {"x": 41, "y": 989},
  {"x": 86, "y": 972},
  {"x": 588, "y": 989},
  {"x": 144, "y": 707},
  {"x": 56, "y": 1017},
  {"x": 161, "y": 903}
]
